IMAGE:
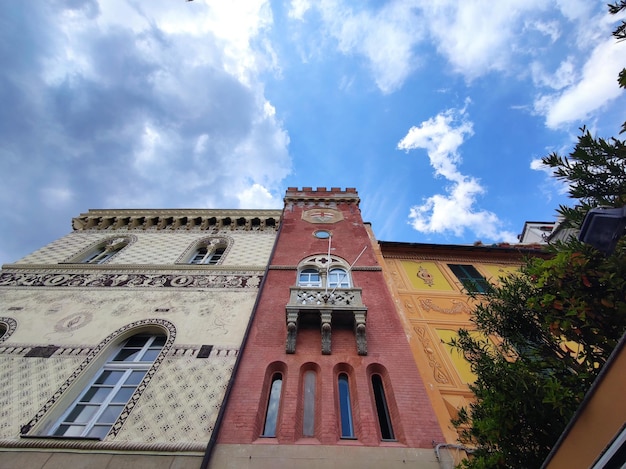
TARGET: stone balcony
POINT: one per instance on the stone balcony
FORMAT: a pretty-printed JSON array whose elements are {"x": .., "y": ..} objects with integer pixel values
[{"x": 338, "y": 307}]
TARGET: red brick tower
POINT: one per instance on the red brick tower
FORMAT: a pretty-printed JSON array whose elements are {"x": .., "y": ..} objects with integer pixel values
[{"x": 326, "y": 375}]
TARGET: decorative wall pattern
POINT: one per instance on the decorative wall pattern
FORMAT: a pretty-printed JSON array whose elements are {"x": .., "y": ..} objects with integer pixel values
[
  {"x": 438, "y": 371},
  {"x": 19, "y": 398},
  {"x": 182, "y": 402},
  {"x": 156, "y": 248},
  {"x": 221, "y": 280}
]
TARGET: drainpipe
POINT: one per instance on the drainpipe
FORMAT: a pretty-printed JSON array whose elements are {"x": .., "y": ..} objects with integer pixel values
[
  {"x": 444, "y": 464},
  {"x": 220, "y": 416}
]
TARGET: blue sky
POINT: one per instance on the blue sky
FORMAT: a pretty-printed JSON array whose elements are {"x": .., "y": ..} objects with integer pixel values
[{"x": 437, "y": 111}]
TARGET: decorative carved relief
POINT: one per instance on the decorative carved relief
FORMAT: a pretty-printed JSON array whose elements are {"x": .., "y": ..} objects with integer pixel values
[
  {"x": 292, "y": 331},
  {"x": 326, "y": 332},
  {"x": 322, "y": 215},
  {"x": 438, "y": 373},
  {"x": 73, "y": 322},
  {"x": 10, "y": 325},
  {"x": 423, "y": 273},
  {"x": 13, "y": 279},
  {"x": 457, "y": 307},
  {"x": 359, "y": 332}
]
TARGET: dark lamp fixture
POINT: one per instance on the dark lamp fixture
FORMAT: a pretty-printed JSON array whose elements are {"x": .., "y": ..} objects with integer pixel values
[{"x": 603, "y": 227}]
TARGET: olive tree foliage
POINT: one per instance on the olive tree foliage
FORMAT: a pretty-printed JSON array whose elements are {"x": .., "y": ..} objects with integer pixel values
[{"x": 553, "y": 325}]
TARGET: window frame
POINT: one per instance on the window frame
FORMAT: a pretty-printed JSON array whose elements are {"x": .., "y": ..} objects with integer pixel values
[
  {"x": 345, "y": 407},
  {"x": 274, "y": 400},
  {"x": 381, "y": 405},
  {"x": 471, "y": 279},
  {"x": 309, "y": 403},
  {"x": 127, "y": 367},
  {"x": 210, "y": 257}
]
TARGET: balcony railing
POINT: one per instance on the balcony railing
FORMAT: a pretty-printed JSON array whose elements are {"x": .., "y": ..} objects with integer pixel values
[{"x": 331, "y": 306}]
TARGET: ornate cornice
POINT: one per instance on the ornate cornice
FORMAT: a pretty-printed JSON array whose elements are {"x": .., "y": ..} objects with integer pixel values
[{"x": 178, "y": 219}]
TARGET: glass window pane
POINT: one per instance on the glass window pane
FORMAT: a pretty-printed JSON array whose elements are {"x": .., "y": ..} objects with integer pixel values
[
  {"x": 109, "y": 377},
  {"x": 123, "y": 395},
  {"x": 81, "y": 413},
  {"x": 347, "y": 429},
  {"x": 272, "y": 406},
  {"x": 308, "y": 425},
  {"x": 135, "y": 377},
  {"x": 137, "y": 341},
  {"x": 99, "y": 431},
  {"x": 384, "y": 419},
  {"x": 126, "y": 355},
  {"x": 150, "y": 355},
  {"x": 159, "y": 341},
  {"x": 110, "y": 414},
  {"x": 69, "y": 430},
  {"x": 95, "y": 394}
]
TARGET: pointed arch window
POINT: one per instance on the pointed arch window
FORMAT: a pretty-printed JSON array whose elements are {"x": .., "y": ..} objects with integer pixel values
[{"x": 100, "y": 404}]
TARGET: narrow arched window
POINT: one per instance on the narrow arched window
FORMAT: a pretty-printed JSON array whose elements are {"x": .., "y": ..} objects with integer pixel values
[
  {"x": 382, "y": 410},
  {"x": 308, "y": 415},
  {"x": 338, "y": 278},
  {"x": 309, "y": 278},
  {"x": 345, "y": 407},
  {"x": 105, "y": 251},
  {"x": 208, "y": 256},
  {"x": 273, "y": 404},
  {"x": 98, "y": 407}
]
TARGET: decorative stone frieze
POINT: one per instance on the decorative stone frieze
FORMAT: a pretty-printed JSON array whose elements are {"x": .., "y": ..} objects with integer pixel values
[
  {"x": 336, "y": 304},
  {"x": 131, "y": 280}
]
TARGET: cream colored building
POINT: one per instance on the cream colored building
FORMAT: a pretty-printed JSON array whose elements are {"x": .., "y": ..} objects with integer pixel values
[{"x": 118, "y": 340}]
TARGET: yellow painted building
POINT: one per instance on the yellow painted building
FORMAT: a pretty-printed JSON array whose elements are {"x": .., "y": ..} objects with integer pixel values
[{"x": 429, "y": 283}]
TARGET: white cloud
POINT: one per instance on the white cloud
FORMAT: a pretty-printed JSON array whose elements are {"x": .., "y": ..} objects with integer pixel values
[
  {"x": 455, "y": 211},
  {"x": 298, "y": 8},
  {"x": 564, "y": 76},
  {"x": 596, "y": 87},
  {"x": 257, "y": 196}
]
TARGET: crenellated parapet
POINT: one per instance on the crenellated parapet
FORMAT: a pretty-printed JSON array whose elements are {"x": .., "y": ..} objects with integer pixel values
[
  {"x": 181, "y": 219},
  {"x": 321, "y": 196}
]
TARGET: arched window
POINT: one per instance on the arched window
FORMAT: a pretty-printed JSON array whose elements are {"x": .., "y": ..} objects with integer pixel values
[
  {"x": 207, "y": 251},
  {"x": 104, "y": 251},
  {"x": 322, "y": 271},
  {"x": 338, "y": 278},
  {"x": 273, "y": 404},
  {"x": 308, "y": 405},
  {"x": 345, "y": 407},
  {"x": 382, "y": 410},
  {"x": 310, "y": 278},
  {"x": 204, "y": 255},
  {"x": 100, "y": 404}
]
